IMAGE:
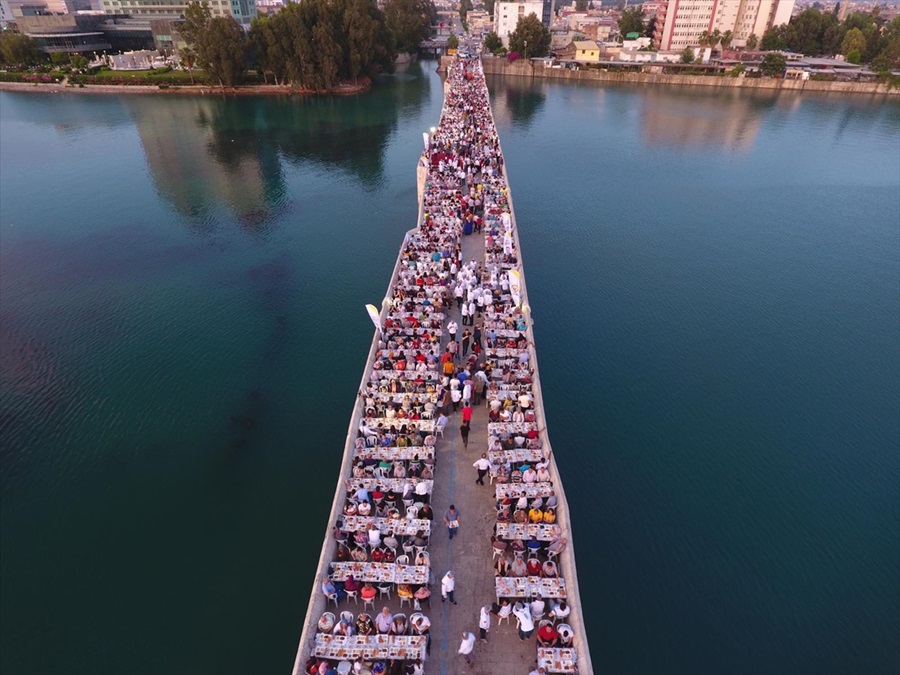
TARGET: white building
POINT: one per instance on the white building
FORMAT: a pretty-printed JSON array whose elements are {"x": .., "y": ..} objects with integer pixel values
[
  {"x": 507, "y": 15},
  {"x": 244, "y": 11},
  {"x": 6, "y": 15},
  {"x": 679, "y": 24}
]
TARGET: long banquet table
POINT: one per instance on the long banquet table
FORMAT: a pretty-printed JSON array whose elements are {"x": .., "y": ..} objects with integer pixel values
[
  {"x": 543, "y": 532},
  {"x": 384, "y": 573},
  {"x": 399, "y": 526},
  {"x": 347, "y": 648},
  {"x": 556, "y": 660},
  {"x": 516, "y": 490},
  {"x": 530, "y": 587}
]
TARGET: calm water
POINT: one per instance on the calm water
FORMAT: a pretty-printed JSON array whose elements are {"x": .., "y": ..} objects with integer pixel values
[{"x": 715, "y": 280}]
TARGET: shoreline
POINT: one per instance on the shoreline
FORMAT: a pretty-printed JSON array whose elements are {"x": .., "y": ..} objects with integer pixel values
[
  {"x": 500, "y": 66},
  {"x": 188, "y": 90}
]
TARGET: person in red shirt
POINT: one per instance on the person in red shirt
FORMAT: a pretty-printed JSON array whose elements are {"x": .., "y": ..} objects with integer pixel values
[
  {"x": 547, "y": 636},
  {"x": 467, "y": 414}
]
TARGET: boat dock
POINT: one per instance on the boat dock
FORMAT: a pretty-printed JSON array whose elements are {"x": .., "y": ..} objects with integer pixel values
[{"x": 398, "y": 456}]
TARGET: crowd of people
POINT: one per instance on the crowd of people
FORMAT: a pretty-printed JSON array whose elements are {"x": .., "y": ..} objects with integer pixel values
[{"x": 424, "y": 370}]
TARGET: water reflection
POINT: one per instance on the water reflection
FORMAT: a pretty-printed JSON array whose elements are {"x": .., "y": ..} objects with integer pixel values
[
  {"x": 208, "y": 151},
  {"x": 516, "y": 99},
  {"x": 681, "y": 118}
]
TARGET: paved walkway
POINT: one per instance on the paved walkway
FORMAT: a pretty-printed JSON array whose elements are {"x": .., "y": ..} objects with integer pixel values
[{"x": 469, "y": 554}]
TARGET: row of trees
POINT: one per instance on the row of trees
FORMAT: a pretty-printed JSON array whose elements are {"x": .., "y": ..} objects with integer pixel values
[
  {"x": 18, "y": 50},
  {"x": 865, "y": 37},
  {"x": 632, "y": 21},
  {"x": 313, "y": 44}
]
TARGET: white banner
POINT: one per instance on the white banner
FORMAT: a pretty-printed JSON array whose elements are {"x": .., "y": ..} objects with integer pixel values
[
  {"x": 376, "y": 319},
  {"x": 425, "y": 138},
  {"x": 515, "y": 286}
]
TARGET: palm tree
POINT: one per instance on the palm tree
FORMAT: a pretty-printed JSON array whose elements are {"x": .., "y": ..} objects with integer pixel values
[
  {"x": 727, "y": 37},
  {"x": 703, "y": 38}
]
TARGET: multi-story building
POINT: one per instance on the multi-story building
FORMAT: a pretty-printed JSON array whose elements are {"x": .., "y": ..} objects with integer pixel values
[
  {"x": 244, "y": 11},
  {"x": 507, "y": 15},
  {"x": 679, "y": 23},
  {"x": 6, "y": 15}
]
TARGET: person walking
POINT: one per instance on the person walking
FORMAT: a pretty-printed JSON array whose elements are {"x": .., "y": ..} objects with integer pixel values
[
  {"x": 466, "y": 341},
  {"x": 472, "y": 314},
  {"x": 466, "y": 646},
  {"x": 464, "y": 432},
  {"x": 484, "y": 622},
  {"x": 452, "y": 327},
  {"x": 451, "y": 519},
  {"x": 483, "y": 465},
  {"x": 448, "y": 585},
  {"x": 477, "y": 390}
]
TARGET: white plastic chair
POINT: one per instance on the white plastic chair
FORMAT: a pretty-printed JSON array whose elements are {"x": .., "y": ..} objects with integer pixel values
[
  {"x": 352, "y": 595},
  {"x": 384, "y": 589},
  {"x": 402, "y": 560}
]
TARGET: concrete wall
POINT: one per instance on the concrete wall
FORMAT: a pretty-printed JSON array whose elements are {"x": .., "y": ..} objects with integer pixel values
[{"x": 500, "y": 66}]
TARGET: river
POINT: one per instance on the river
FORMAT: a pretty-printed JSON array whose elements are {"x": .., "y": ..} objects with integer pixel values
[{"x": 715, "y": 282}]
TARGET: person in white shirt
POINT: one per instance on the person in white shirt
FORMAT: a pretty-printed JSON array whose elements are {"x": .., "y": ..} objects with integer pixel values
[
  {"x": 483, "y": 465},
  {"x": 448, "y": 586},
  {"x": 560, "y": 610},
  {"x": 374, "y": 536},
  {"x": 466, "y": 646},
  {"x": 537, "y": 608},
  {"x": 484, "y": 622},
  {"x": 452, "y": 327},
  {"x": 383, "y": 620},
  {"x": 526, "y": 623}
]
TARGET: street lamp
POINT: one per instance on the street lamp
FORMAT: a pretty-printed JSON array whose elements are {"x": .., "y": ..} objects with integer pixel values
[{"x": 526, "y": 50}]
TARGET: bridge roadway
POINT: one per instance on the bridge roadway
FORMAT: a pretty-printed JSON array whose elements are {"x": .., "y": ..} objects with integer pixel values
[{"x": 469, "y": 554}]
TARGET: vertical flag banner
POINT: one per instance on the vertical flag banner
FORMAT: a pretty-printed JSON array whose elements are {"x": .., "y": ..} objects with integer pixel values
[
  {"x": 425, "y": 138},
  {"x": 515, "y": 287},
  {"x": 376, "y": 319}
]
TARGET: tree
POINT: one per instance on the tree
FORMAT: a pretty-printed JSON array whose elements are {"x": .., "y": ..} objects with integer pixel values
[
  {"x": 196, "y": 19},
  {"x": 727, "y": 37},
  {"x": 651, "y": 28},
  {"x": 452, "y": 42},
  {"x": 632, "y": 21},
  {"x": 530, "y": 30},
  {"x": 464, "y": 7},
  {"x": 222, "y": 51},
  {"x": 581, "y": 5},
  {"x": 188, "y": 60},
  {"x": 493, "y": 43},
  {"x": 687, "y": 56},
  {"x": 409, "y": 22},
  {"x": 78, "y": 61},
  {"x": 854, "y": 41},
  {"x": 772, "y": 65},
  {"x": 887, "y": 55},
  {"x": 18, "y": 50},
  {"x": 752, "y": 41},
  {"x": 489, "y": 7}
]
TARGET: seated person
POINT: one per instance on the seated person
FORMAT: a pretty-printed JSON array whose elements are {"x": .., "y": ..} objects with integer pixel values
[
  {"x": 558, "y": 545},
  {"x": 377, "y": 555},
  {"x": 364, "y": 509},
  {"x": 343, "y": 554},
  {"x": 517, "y": 545},
  {"x": 518, "y": 568},
  {"x": 534, "y": 544},
  {"x": 537, "y": 608},
  {"x": 358, "y": 554},
  {"x": 533, "y": 567},
  {"x": 350, "y": 509},
  {"x": 364, "y": 625},
  {"x": 351, "y": 584},
  {"x": 502, "y": 567},
  {"x": 520, "y": 517},
  {"x": 389, "y": 555},
  {"x": 548, "y": 569},
  {"x": 549, "y": 516},
  {"x": 422, "y": 593},
  {"x": 343, "y": 627},
  {"x": 399, "y": 625},
  {"x": 536, "y": 515},
  {"x": 368, "y": 591},
  {"x": 543, "y": 475},
  {"x": 560, "y": 610},
  {"x": 503, "y": 516},
  {"x": 425, "y": 512},
  {"x": 329, "y": 589},
  {"x": 529, "y": 475},
  {"x": 404, "y": 591},
  {"x": 547, "y": 636}
]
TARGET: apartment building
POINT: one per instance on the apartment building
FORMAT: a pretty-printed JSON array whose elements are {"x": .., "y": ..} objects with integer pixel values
[
  {"x": 680, "y": 23},
  {"x": 244, "y": 11}
]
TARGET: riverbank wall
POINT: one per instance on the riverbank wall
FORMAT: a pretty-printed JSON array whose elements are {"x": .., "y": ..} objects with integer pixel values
[
  {"x": 501, "y": 66},
  {"x": 185, "y": 90}
]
